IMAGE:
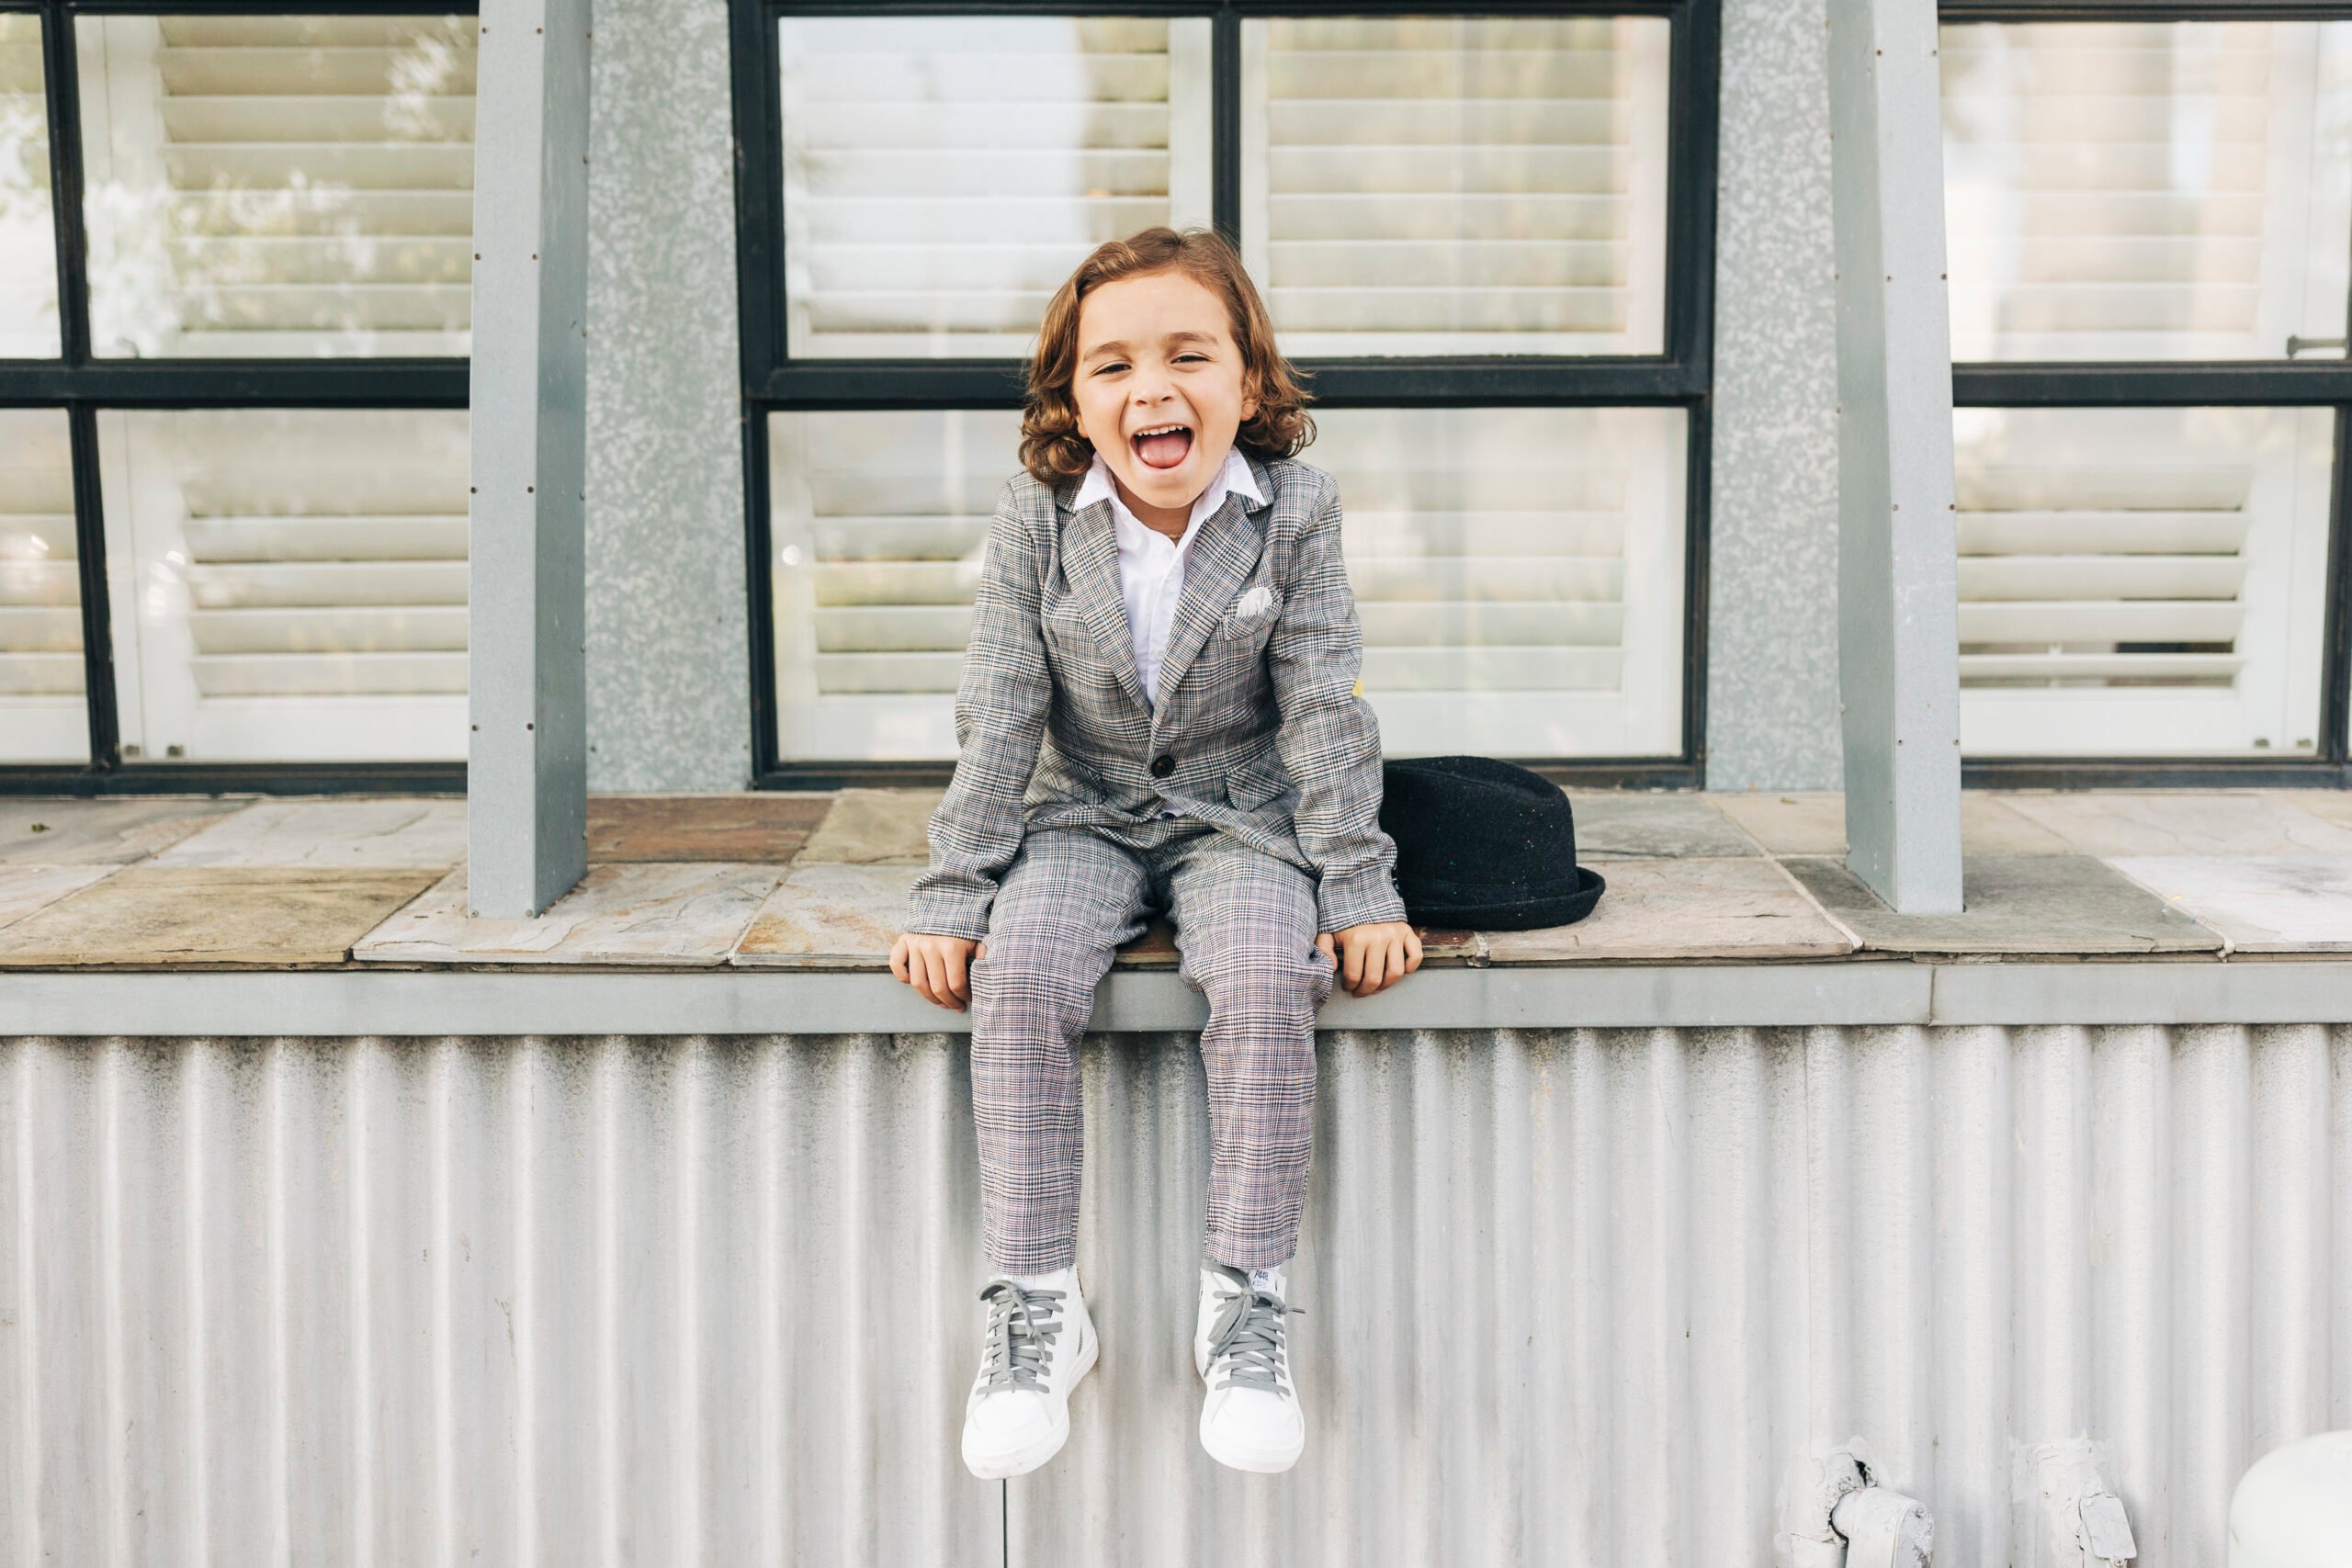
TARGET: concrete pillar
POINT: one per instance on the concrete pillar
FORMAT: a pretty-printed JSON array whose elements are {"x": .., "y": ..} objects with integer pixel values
[
  {"x": 1898, "y": 634},
  {"x": 527, "y": 763}
]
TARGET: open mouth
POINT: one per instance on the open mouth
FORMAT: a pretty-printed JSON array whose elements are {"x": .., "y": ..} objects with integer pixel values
[{"x": 1163, "y": 445}]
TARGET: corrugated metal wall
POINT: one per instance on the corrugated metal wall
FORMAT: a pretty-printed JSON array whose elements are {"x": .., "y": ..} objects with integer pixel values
[{"x": 1572, "y": 1297}]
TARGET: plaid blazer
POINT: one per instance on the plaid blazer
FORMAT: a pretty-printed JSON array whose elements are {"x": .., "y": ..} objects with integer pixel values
[{"x": 1258, "y": 727}]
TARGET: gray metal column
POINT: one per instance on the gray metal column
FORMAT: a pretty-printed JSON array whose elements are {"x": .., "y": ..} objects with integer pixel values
[
  {"x": 526, "y": 781},
  {"x": 1898, "y": 635}
]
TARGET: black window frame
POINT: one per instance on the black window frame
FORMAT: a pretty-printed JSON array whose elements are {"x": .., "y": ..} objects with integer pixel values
[
  {"x": 1680, "y": 377},
  {"x": 81, "y": 384},
  {"x": 2253, "y": 383}
]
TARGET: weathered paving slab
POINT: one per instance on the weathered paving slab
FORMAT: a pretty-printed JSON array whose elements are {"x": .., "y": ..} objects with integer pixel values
[
  {"x": 829, "y": 917},
  {"x": 2116, "y": 823},
  {"x": 1624, "y": 826},
  {"x": 874, "y": 827},
  {"x": 24, "y": 888},
  {"x": 2032, "y": 904},
  {"x": 747, "y": 829},
  {"x": 2259, "y": 903},
  {"x": 357, "y": 831},
  {"x": 101, "y": 832},
  {"x": 2328, "y": 805},
  {"x": 679, "y": 916},
  {"x": 1663, "y": 909},
  {"x": 274, "y": 916},
  {"x": 1815, "y": 824}
]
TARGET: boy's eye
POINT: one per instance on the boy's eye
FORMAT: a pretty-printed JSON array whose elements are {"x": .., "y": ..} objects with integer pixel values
[{"x": 1107, "y": 368}]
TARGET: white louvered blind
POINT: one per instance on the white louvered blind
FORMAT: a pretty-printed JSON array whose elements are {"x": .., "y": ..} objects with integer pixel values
[
  {"x": 943, "y": 174},
  {"x": 28, "y": 240},
  {"x": 2140, "y": 581},
  {"x": 1428, "y": 185},
  {"x": 298, "y": 583},
  {"x": 278, "y": 186},
  {"x": 1519, "y": 575},
  {"x": 41, "y": 713},
  {"x": 2147, "y": 190}
]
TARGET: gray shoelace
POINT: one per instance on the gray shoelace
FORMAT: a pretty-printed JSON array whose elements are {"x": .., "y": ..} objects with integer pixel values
[
  {"x": 1248, "y": 1338},
  {"x": 1023, "y": 1326}
]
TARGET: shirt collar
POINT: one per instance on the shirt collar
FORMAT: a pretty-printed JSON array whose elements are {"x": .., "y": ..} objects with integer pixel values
[{"x": 1233, "y": 479}]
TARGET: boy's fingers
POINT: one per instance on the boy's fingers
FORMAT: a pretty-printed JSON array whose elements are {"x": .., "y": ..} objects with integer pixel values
[
  {"x": 899, "y": 958},
  {"x": 955, "y": 981},
  {"x": 1351, "y": 972},
  {"x": 934, "y": 976}
]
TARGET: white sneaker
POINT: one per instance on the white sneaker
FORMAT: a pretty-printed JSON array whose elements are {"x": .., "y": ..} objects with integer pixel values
[
  {"x": 1250, "y": 1419},
  {"x": 1038, "y": 1343}
]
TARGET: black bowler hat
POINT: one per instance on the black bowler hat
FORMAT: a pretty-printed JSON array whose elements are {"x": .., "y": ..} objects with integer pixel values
[{"x": 1481, "y": 845}]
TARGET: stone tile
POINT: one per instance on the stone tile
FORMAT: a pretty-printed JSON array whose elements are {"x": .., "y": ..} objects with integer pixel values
[
  {"x": 351, "y": 831},
  {"x": 1731, "y": 910},
  {"x": 2260, "y": 903},
  {"x": 874, "y": 827},
  {"x": 829, "y": 916},
  {"x": 278, "y": 917},
  {"x": 1815, "y": 824},
  {"x": 24, "y": 888},
  {"x": 2154, "y": 823},
  {"x": 767, "y": 826},
  {"x": 1810, "y": 823},
  {"x": 1625, "y": 826},
  {"x": 101, "y": 832},
  {"x": 2327, "y": 804},
  {"x": 675, "y": 916},
  {"x": 2030, "y": 904}
]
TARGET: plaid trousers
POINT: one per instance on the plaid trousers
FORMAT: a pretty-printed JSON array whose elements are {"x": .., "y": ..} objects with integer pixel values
[{"x": 1245, "y": 925}]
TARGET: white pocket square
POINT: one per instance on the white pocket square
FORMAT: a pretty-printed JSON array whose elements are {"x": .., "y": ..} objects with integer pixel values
[{"x": 1250, "y": 604}]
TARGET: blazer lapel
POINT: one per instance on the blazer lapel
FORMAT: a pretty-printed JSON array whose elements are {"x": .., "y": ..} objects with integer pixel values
[
  {"x": 1090, "y": 562},
  {"x": 1225, "y": 553}
]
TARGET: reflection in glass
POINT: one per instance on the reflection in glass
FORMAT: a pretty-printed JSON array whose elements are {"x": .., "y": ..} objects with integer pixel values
[
  {"x": 2148, "y": 190},
  {"x": 2141, "y": 581},
  {"x": 1476, "y": 184},
  {"x": 278, "y": 186},
  {"x": 287, "y": 585},
  {"x": 42, "y": 718},
  {"x": 943, "y": 174},
  {"x": 27, "y": 238},
  {"x": 1519, "y": 574}
]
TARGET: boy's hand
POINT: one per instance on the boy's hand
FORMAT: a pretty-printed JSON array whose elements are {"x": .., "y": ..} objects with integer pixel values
[
  {"x": 1373, "y": 956},
  {"x": 938, "y": 966}
]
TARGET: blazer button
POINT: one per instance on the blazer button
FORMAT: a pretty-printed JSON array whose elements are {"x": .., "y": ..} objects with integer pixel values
[{"x": 1162, "y": 765}]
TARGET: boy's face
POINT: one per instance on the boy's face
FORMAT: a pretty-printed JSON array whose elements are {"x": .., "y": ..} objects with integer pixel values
[{"x": 1161, "y": 387}]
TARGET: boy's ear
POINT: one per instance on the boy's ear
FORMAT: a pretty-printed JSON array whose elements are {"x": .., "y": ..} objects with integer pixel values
[{"x": 1249, "y": 401}]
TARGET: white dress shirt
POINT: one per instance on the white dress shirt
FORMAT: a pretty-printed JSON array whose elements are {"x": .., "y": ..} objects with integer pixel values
[{"x": 1151, "y": 565}]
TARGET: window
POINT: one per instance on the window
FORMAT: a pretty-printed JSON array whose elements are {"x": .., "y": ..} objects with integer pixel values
[
  {"x": 1487, "y": 238},
  {"x": 223, "y": 555},
  {"x": 2150, "y": 218}
]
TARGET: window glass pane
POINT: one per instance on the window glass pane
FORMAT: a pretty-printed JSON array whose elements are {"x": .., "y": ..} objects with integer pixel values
[
  {"x": 1424, "y": 184},
  {"x": 278, "y": 186},
  {"x": 28, "y": 238},
  {"x": 2141, "y": 581},
  {"x": 2147, "y": 190},
  {"x": 41, "y": 715},
  {"x": 287, "y": 585},
  {"x": 943, "y": 174},
  {"x": 1519, "y": 574}
]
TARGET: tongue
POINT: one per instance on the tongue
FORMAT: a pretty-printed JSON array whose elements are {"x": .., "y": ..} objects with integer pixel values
[{"x": 1164, "y": 451}]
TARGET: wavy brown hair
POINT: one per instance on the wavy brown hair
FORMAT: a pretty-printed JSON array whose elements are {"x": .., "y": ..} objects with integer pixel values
[{"x": 1051, "y": 448}]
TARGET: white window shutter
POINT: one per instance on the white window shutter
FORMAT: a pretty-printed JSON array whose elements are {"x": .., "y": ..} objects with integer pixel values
[
  {"x": 28, "y": 327},
  {"x": 2146, "y": 190},
  {"x": 943, "y": 174},
  {"x": 279, "y": 186},
  {"x": 2140, "y": 581},
  {"x": 288, "y": 585},
  {"x": 42, "y": 718},
  {"x": 1427, "y": 185}
]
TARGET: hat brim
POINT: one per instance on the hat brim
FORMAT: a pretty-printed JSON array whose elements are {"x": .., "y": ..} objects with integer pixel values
[{"x": 1464, "y": 910}]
